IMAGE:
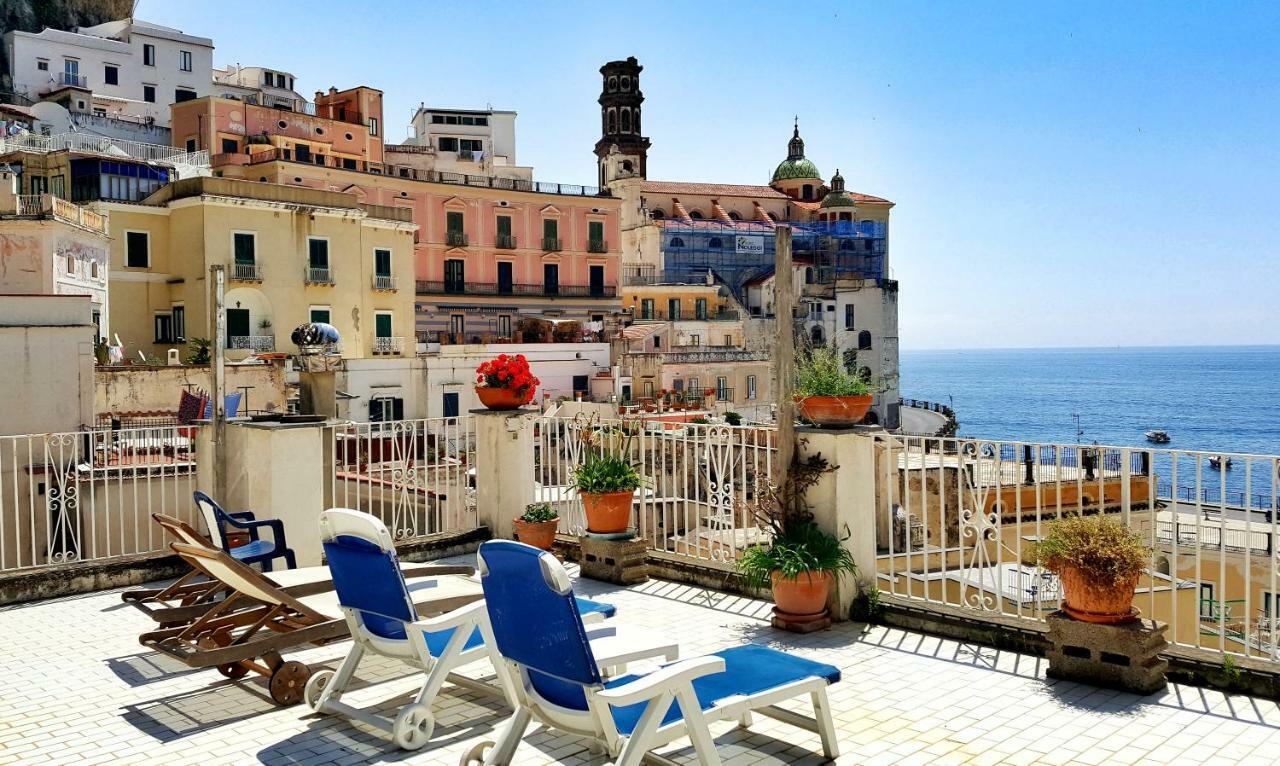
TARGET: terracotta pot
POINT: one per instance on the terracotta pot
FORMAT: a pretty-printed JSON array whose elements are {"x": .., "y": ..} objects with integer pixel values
[
  {"x": 608, "y": 512},
  {"x": 539, "y": 534},
  {"x": 1088, "y": 601},
  {"x": 806, "y": 594},
  {"x": 834, "y": 410},
  {"x": 499, "y": 398}
]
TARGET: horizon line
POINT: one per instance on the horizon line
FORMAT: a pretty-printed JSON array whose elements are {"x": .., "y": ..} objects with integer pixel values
[{"x": 1099, "y": 348}]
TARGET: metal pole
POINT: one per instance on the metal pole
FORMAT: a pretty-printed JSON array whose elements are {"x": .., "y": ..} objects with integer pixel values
[
  {"x": 217, "y": 362},
  {"x": 785, "y": 353}
]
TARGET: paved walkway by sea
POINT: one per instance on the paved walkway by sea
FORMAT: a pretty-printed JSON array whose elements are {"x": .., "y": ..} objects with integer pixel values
[{"x": 78, "y": 689}]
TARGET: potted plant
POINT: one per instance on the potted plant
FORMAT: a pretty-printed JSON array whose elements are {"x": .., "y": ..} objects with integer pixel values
[
  {"x": 801, "y": 560},
  {"x": 537, "y": 526},
  {"x": 506, "y": 382},
  {"x": 1099, "y": 562},
  {"x": 827, "y": 393},
  {"x": 607, "y": 482}
]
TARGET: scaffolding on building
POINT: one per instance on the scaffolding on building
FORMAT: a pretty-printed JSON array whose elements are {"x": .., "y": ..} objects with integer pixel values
[{"x": 738, "y": 252}]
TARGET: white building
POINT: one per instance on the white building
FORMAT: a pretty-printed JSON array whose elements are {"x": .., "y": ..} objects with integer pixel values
[
  {"x": 467, "y": 141},
  {"x": 125, "y": 68},
  {"x": 442, "y": 382},
  {"x": 259, "y": 85}
]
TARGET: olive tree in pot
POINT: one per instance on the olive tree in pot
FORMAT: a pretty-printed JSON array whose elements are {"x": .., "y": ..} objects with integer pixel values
[
  {"x": 826, "y": 393},
  {"x": 537, "y": 525},
  {"x": 801, "y": 560},
  {"x": 1099, "y": 562}
]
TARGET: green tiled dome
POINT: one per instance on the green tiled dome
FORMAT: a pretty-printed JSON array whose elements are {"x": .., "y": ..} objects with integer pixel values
[
  {"x": 837, "y": 199},
  {"x": 797, "y": 168}
]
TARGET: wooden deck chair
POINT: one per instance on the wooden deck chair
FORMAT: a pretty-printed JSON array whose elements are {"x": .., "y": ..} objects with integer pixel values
[
  {"x": 535, "y": 622},
  {"x": 193, "y": 594},
  {"x": 380, "y": 615},
  {"x": 248, "y": 629}
]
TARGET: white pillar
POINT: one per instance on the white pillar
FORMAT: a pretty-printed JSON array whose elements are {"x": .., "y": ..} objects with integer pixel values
[
  {"x": 278, "y": 471},
  {"x": 504, "y": 467},
  {"x": 844, "y": 501}
]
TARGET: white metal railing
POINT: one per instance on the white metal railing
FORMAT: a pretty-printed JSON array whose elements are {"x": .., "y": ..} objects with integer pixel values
[
  {"x": 104, "y": 145},
  {"x": 256, "y": 343},
  {"x": 389, "y": 345},
  {"x": 384, "y": 282},
  {"x": 703, "y": 482},
  {"x": 417, "y": 476},
  {"x": 319, "y": 275},
  {"x": 31, "y": 204},
  {"x": 957, "y": 521},
  {"x": 246, "y": 272},
  {"x": 89, "y": 495}
]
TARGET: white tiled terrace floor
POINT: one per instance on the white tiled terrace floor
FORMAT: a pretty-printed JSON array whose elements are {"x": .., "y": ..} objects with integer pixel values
[{"x": 75, "y": 687}]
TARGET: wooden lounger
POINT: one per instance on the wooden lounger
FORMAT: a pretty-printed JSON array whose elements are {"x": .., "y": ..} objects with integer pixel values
[{"x": 257, "y": 620}]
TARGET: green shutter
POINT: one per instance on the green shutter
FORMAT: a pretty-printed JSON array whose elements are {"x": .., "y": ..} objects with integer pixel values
[
  {"x": 453, "y": 221},
  {"x": 504, "y": 226},
  {"x": 550, "y": 228},
  {"x": 595, "y": 231},
  {"x": 382, "y": 325}
]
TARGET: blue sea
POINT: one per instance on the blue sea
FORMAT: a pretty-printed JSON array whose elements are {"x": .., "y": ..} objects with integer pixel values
[{"x": 1217, "y": 399}]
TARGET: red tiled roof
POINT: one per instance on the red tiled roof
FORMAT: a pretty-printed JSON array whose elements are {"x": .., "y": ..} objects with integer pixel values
[
  {"x": 714, "y": 190},
  {"x": 739, "y": 190}
]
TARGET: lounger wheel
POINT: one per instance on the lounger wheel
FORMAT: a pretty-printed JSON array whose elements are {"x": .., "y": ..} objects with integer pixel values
[
  {"x": 476, "y": 755},
  {"x": 315, "y": 687},
  {"x": 288, "y": 682},
  {"x": 413, "y": 726},
  {"x": 233, "y": 670}
]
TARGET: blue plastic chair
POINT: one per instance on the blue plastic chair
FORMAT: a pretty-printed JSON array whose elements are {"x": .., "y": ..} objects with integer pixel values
[
  {"x": 256, "y": 550},
  {"x": 538, "y": 629}
]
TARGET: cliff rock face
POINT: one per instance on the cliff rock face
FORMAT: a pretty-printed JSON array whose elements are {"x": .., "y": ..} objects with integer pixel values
[{"x": 35, "y": 15}]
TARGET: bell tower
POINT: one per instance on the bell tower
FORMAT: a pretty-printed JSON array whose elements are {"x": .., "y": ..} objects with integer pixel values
[{"x": 620, "y": 100}]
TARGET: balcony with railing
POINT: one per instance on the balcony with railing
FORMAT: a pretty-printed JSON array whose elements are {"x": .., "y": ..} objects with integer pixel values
[
  {"x": 428, "y": 176},
  {"x": 66, "y": 80},
  {"x": 723, "y": 315},
  {"x": 319, "y": 275},
  {"x": 597, "y": 246},
  {"x": 384, "y": 282},
  {"x": 552, "y": 244},
  {"x": 56, "y": 208},
  {"x": 433, "y": 287},
  {"x": 505, "y": 242},
  {"x": 388, "y": 346},
  {"x": 712, "y": 356},
  {"x": 246, "y": 272},
  {"x": 87, "y": 143},
  {"x": 258, "y": 344},
  {"x": 455, "y": 238}
]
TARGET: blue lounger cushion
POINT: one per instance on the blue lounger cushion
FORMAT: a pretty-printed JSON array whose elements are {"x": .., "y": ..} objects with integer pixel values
[
  {"x": 748, "y": 669},
  {"x": 437, "y": 642}
]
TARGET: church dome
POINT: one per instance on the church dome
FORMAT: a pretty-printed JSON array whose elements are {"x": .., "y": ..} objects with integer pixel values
[
  {"x": 795, "y": 165},
  {"x": 837, "y": 197}
]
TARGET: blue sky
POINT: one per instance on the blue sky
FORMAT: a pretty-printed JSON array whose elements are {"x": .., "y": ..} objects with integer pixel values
[{"x": 1065, "y": 175}]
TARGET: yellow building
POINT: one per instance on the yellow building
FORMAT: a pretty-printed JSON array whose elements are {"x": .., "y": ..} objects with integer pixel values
[{"x": 292, "y": 255}]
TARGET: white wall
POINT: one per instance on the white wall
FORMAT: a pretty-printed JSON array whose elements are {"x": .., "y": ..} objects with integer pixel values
[
  {"x": 47, "y": 379},
  {"x": 555, "y": 364},
  {"x": 94, "y": 51}
]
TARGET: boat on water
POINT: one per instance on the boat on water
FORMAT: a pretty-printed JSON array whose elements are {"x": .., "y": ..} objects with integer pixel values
[
  {"x": 1158, "y": 437},
  {"x": 1218, "y": 462}
]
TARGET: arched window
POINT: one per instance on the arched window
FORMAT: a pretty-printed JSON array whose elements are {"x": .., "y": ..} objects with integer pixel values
[
  {"x": 635, "y": 119},
  {"x": 808, "y": 275},
  {"x": 808, "y": 192},
  {"x": 613, "y": 84},
  {"x": 626, "y": 119},
  {"x": 733, "y": 215},
  {"x": 816, "y": 335},
  {"x": 625, "y": 83},
  {"x": 715, "y": 243},
  {"x": 627, "y": 166},
  {"x": 657, "y": 214},
  {"x": 864, "y": 341},
  {"x": 846, "y": 217},
  {"x": 871, "y": 419},
  {"x": 613, "y": 121},
  {"x": 677, "y": 242},
  {"x": 696, "y": 215},
  {"x": 865, "y": 374}
]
